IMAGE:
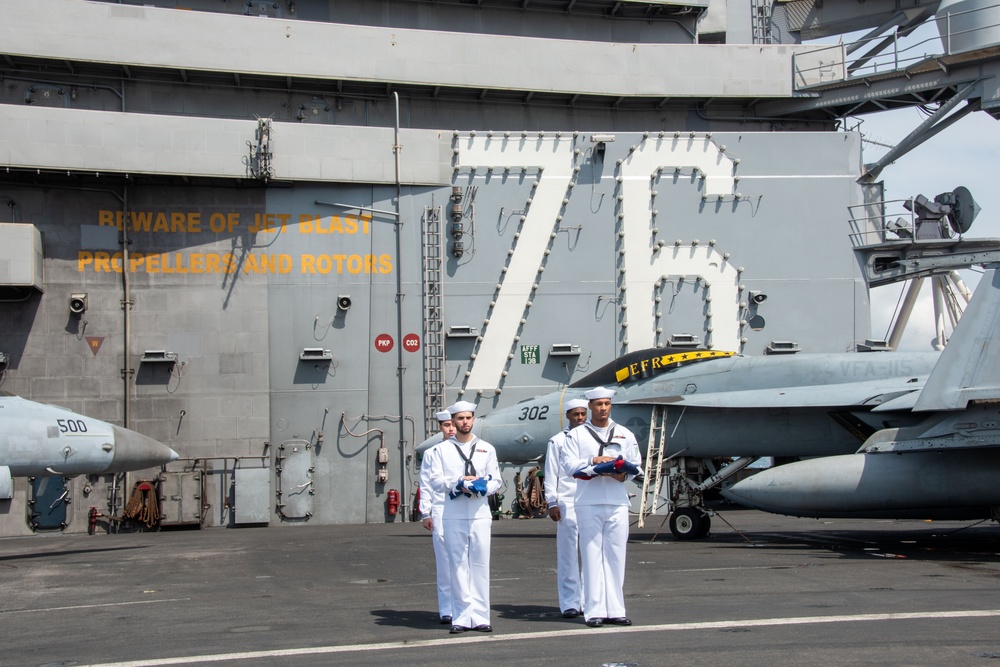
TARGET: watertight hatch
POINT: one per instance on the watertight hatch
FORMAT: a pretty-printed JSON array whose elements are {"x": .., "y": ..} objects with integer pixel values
[
  {"x": 181, "y": 498},
  {"x": 252, "y": 495},
  {"x": 293, "y": 466}
]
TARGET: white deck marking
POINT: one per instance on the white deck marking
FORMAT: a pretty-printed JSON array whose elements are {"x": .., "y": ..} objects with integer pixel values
[
  {"x": 525, "y": 636},
  {"x": 89, "y": 606}
]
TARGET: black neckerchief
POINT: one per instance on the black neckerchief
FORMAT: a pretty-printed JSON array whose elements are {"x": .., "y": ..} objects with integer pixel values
[
  {"x": 470, "y": 468},
  {"x": 611, "y": 434}
]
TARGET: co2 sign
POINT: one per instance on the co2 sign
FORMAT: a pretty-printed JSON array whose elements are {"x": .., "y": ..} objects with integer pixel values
[
  {"x": 411, "y": 342},
  {"x": 383, "y": 343}
]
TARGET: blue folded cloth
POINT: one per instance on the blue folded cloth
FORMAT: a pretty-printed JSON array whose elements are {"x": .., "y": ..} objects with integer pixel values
[
  {"x": 458, "y": 490},
  {"x": 619, "y": 465},
  {"x": 476, "y": 486}
]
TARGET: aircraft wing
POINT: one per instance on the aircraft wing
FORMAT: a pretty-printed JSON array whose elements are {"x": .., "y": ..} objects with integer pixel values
[
  {"x": 852, "y": 394},
  {"x": 969, "y": 367},
  {"x": 967, "y": 371},
  {"x": 946, "y": 466}
]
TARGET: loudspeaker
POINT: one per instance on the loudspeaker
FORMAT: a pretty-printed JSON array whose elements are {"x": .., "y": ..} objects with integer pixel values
[{"x": 78, "y": 303}]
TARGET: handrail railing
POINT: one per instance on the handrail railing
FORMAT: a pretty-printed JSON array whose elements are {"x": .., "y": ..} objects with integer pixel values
[
  {"x": 832, "y": 64},
  {"x": 881, "y": 221}
]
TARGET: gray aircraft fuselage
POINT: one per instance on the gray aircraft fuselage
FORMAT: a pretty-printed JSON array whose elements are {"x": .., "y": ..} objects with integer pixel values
[
  {"x": 38, "y": 439},
  {"x": 944, "y": 466},
  {"x": 782, "y": 406}
]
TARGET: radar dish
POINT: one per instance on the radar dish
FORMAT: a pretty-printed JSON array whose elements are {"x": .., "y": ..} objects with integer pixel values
[{"x": 963, "y": 211}]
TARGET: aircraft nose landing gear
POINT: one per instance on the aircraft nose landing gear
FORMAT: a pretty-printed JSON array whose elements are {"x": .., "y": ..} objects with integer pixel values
[
  {"x": 689, "y": 479},
  {"x": 689, "y": 523}
]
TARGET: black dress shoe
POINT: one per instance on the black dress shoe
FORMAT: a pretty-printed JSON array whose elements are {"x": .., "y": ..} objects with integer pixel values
[
  {"x": 595, "y": 622},
  {"x": 445, "y": 620},
  {"x": 620, "y": 620},
  {"x": 570, "y": 613},
  {"x": 483, "y": 628},
  {"x": 457, "y": 630}
]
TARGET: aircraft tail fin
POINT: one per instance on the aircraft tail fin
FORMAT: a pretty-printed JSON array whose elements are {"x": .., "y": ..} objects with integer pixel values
[{"x": 969, "y": 367}]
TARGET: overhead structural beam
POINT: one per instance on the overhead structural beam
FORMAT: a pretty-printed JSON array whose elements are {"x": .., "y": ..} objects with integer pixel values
[
  {"x": 904, "y": 313},
  {"x": 927, "y": 129},
  {"x": 897, "y": 20},
  {"x": 925, "y": 259}
]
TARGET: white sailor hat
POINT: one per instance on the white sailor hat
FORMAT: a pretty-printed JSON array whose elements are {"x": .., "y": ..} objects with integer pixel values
[
  {"x": 443, "y": 416},
  {"x": 574, "y": 404},
  {"x": 461, "y": 406},
  {"x": 599, "y": 392}
]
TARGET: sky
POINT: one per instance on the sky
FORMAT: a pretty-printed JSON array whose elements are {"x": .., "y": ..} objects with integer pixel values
[{"x": 965, "y": 154}]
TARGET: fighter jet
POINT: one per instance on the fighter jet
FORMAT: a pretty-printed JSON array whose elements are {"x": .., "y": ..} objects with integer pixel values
[
  {"x": 38, "y": 439},
  {"x": 703, "y": 415},
  {"x": 946, "y": 466},
  {"x": 928, "y": 424}
]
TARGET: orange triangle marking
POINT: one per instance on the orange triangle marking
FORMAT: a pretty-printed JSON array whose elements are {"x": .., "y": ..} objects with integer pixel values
[{"x": 95, "y": 342}]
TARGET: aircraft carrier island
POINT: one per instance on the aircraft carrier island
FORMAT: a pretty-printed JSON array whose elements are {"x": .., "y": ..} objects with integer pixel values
[{"x": 278, "y": 237}]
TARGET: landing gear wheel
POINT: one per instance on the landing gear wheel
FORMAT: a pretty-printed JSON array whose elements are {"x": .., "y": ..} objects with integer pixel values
[{"x": 688, "y": 523}]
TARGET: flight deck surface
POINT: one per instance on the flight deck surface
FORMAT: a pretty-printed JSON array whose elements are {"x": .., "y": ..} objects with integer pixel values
[{"x": 762, "y": 590}]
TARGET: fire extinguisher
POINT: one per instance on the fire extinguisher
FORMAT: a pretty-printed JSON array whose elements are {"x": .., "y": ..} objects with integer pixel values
[
  {"x": 415, "y": 512},
  {"x": 392, "y": 500}
]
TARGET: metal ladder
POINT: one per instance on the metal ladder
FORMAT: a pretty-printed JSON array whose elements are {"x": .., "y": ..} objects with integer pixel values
[
  {"x": 433, "y": 317},
  {"x": 652, "y": 482}
]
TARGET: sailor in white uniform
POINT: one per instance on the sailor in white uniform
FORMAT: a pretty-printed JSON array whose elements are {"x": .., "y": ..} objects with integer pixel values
[
  {"x": 560, "y": 493},
  {"x": 465, "y": 470},
  {"x": 431, "y": 506},
  {"x": 602, "y": 506}
]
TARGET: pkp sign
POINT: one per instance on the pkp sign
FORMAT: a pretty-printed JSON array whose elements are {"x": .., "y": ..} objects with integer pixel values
[
  {"x": 383, "y": 343},
  {"x": 411, "y": 342}
]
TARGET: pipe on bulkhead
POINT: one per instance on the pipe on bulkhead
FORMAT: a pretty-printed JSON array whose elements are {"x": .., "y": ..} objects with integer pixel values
[{"x": 396, "y": 149}]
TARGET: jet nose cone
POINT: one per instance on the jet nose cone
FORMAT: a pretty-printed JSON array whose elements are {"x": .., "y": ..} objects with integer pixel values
[
  {"x": 135, "y": 451},
  {"x": 428, "y": 443}
]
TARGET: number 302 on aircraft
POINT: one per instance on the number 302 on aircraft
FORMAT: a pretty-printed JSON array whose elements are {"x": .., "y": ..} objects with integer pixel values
[{"x": 534, "y": 412}]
